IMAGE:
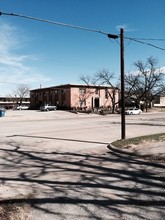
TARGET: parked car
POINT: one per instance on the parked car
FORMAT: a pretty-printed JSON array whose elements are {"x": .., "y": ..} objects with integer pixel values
[
  {"x": 2, "y": 109},
  {"x": 133, "y": 111},
  {"x": 22, "y": 107},
  {"x": 47, "y": 107}
]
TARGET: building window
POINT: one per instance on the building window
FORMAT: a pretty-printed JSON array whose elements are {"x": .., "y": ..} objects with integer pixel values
[
  {"x": 97, "y": 91},
  {"x": 82, "y": 91},
  {"x": 82, "y": 103},
  {"x": 157, "y": 100},
  {"x": 63, "y": 95},
  {"x": 106, "y": 93}
]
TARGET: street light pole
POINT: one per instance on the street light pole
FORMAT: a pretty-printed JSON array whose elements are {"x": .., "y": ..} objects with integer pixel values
[{"x": 122, "y": 84}]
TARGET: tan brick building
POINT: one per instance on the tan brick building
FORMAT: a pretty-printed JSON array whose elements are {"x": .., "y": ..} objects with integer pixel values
[{"x": 72, "y": 96}]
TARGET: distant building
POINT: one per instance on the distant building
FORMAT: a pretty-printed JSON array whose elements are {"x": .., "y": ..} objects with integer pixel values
[
  {"x": 71, "y": 96},
  {"x": 160, "y": 101},
  {"x": 13, "y": 102}
]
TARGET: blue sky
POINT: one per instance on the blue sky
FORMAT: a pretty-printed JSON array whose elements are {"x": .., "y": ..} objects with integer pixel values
[{"x": 37, "y": 53}]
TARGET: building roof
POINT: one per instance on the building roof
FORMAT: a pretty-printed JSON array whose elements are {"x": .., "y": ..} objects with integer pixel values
[{"x": 73, "y": 85}]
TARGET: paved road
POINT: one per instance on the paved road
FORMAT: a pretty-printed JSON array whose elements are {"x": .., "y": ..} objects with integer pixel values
[{"x": 57, "y": 166}]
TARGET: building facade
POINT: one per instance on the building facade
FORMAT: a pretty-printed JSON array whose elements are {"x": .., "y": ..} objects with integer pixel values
[
  {"x": 71, "y": 96},
  {"x": 160, "y": 101},
  {"x": 13, "y": 102}
]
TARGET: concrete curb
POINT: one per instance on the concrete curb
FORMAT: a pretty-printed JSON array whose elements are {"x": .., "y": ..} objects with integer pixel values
[{"x": 122, "y": 151}]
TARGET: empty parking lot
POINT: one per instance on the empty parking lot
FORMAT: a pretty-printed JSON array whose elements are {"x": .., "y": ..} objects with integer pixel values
[{"x": 57, "y": 165}]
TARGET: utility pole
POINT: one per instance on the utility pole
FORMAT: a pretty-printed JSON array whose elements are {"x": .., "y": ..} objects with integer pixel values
[
  {"x": 122, "y": 79},
  {"x": 122, "y": 84}
]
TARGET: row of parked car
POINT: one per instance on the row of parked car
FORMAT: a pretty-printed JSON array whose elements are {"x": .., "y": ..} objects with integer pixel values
[{"x": 46, "y": 107}]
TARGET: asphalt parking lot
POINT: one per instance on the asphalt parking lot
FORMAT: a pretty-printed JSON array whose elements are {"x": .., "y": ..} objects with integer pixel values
[
  {"x": 85, "y": 127},
  {"x": 57, "y": 166}
]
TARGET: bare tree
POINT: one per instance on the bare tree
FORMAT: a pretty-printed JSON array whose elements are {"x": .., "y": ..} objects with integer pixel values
[
  {"x": 86, "y": 79},
  {"x": 85, "y": 92},
  {"x": 104, "y": 77},
  {"x": 22, "y": 91},
  {"x": 146, "y": 83}
]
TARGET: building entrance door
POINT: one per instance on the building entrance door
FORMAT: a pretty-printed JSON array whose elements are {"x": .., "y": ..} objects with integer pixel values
[{"x": 96, "y": 103}]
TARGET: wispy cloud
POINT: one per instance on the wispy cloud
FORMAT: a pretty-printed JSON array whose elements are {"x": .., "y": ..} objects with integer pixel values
[
  {"x": 126, "y": 28},
  {"x": 14, "y": 62}
]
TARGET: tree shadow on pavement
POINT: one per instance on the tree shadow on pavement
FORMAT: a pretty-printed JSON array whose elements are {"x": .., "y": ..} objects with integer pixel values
[{"x": 71, "y": 185}]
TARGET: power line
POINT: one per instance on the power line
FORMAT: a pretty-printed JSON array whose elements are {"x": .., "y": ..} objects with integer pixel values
[
  {"x": 151, "y": 39},
  {"x": 53, "y": 22},
  {"x": 138, "y": 40},
  {"x": 10, "y": 83},
  {"x": 13, "y": 83},
  {"x": 146, "y": 43}
]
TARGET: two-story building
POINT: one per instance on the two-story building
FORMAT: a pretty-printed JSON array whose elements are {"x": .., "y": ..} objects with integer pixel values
[
  {"x": 13, "y": 102},
  {"x": 72, "y": 96}
]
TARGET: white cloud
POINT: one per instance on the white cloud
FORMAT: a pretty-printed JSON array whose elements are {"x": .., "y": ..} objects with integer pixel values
[
  {"x": 126, "y": 28},
  {"x": 14, "y": 67},
  {"x": 162, "y": 69},
  {"x": 157, "y": 71}
]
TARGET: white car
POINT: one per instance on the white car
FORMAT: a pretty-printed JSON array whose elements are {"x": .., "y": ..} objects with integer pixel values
[
  {"x": 47, "y": 107},
  {"x": 133, "y": 111},
  {"x": 22, "y": 107}
]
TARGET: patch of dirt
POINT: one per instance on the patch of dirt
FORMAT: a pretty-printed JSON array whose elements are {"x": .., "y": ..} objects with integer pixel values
[
  {"x": 153, "y": 159},
  {"x": 14, "y": 211}
]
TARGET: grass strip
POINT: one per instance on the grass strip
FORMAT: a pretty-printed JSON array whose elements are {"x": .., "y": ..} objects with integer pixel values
[{"x": 139, "y": 140}]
